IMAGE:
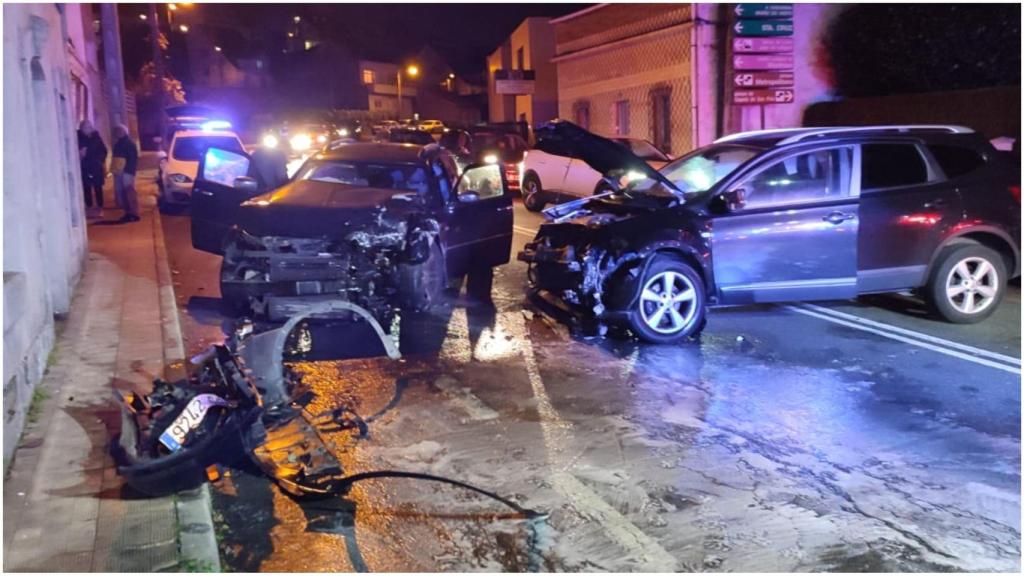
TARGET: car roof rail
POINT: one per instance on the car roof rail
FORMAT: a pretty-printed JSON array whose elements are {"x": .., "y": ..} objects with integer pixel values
[
  {"x": 799, "y": 134},
  {"x": 900, "y": 129}
]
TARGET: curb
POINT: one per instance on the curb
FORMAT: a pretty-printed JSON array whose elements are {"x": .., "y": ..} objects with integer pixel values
[{"x": 197, "y": 540}]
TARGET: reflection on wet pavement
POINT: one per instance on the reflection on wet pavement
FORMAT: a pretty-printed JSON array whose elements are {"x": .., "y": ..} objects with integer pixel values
[{"x": 730, "y": 453}]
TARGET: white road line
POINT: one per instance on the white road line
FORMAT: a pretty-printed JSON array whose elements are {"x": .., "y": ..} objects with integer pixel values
[
  {"x": 919, "y": 343},
  {"x": 523, "y": 230},
  {"x": 915, "y": 334}
]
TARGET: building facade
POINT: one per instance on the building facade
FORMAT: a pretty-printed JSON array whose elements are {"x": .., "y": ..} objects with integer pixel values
[
  {"x": 51, "y": 81},
  {"x": 530, "y": 47}
]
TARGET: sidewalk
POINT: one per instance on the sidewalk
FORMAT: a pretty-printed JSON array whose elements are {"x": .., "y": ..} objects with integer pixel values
[{"x": 65, "y": 508}]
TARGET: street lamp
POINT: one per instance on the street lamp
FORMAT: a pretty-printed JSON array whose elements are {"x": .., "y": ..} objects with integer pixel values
[{"x": 412, "y": 70}]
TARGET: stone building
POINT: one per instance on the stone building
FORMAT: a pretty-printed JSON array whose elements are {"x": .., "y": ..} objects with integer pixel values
[
  {"x": 530, "y": 47},
  {"x": 51, "y": 81}
]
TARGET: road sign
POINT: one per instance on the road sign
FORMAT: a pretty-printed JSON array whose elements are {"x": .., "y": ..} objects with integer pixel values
[
  {"x": 764, "y": 10},
  {"x": 763, "y": 96},
  {"x": 762, "y": 62},
  {"x": 762, "y": 79},
  {"x": 769, "y": 44},
  {"x": 764, "y": 27}
]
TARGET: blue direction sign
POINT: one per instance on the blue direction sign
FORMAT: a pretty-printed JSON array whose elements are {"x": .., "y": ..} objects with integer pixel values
[
  {"x": 764, "y": 10},
  {"x": 764, "y": 27}
]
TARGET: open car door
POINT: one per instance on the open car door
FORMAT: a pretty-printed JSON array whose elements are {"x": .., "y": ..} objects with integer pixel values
[{"x": 225, "y": 179}]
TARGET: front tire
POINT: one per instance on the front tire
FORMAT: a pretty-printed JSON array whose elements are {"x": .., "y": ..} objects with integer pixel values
[
  {"x": 671, "y": 304},
  {"x": 533, "y": 193},
  {"x": 967, "y": 284}
]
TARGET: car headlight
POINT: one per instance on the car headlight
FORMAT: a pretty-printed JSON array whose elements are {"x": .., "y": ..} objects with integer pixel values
[
  {"x": 301, "y": 142},
  {"x": 635, "y": 176},
  {"x": 321, "y": 139},
  {"x": 270, "y": 141},
  {"x": 179, "y": 178},
  {"x": 491, "y": 159},
  {"x": 343, "y": 132}
]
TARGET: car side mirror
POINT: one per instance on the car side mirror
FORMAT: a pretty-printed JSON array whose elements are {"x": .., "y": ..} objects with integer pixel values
[
  {"x": 733, "y": 200},
  {"x": 246, "y": 184}
]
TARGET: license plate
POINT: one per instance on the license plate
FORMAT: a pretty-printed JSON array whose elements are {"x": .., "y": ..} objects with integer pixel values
[{"x": 193, "y": 414}]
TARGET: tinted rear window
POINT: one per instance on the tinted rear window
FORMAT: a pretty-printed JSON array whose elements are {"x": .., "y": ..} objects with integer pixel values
[
  {"x": 890, "y": 165},
  {"x": 956, "y": 160}
]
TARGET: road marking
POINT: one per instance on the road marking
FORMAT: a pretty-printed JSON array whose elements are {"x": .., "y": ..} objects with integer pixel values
[
  {"x": 893, "y": 336},
  {"x": 555, "y": 430},
  {"x": 915, "y": 334},
  {"x": 523, "y": 230}
]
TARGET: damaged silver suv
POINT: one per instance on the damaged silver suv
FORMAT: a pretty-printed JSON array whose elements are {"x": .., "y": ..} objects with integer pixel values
[{"x": 385, "y": 226}]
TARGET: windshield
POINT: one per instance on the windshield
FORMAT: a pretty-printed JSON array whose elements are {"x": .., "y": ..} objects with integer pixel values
[
  {"x": 703, "y": 168},
  {"x": 191, "y": 148},
  {"x": 368, "y": 174}
]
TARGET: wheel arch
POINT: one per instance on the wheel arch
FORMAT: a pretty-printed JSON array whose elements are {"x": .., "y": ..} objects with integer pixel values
[
  {"x": 651, "y": 252},
  {"x": 988, "y": 236}
]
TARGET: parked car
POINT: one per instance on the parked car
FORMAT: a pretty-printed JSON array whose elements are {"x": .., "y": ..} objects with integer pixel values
[
  {"x": 409, "y": 136},
  {"x": 176, "y": 171},
  {"x": 484, "y": 144},
  {"x": 551, "y": 174},
  {"x": 773, "y": 216},
  {"x": 384, "y": 226},
  {"x": 431, "y": 126}
]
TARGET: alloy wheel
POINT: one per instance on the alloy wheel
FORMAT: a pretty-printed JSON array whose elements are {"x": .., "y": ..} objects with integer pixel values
[
  {"x": 668, "y": 302},
  {"x": 972, "y": 285}
]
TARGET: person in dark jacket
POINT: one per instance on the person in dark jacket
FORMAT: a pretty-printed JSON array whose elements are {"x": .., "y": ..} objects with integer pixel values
[
  {"x": 125, "y": 162},
  {"x": 93, "y": 154}
]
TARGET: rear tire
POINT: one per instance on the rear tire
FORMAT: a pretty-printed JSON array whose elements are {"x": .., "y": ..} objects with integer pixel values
[
  {"x": 967, "y": 283},
  {"x": 671, "y": 304},
  {"x": 533, "y": 193},
  {"x": 234, "y": 298}
]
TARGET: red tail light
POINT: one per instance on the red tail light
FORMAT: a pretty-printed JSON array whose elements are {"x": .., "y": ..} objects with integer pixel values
[{"x": 1015, "y": 192}]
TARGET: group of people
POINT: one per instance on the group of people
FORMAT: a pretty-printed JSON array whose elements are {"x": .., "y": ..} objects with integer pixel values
[{"x": 124, "y": 163}]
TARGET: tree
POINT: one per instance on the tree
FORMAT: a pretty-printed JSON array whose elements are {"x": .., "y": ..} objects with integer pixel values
[
  {"x": 145, "y": 86},
  {"x": 879, "y": 49}
]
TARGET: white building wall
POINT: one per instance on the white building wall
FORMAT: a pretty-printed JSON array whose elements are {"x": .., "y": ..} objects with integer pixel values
[{"x": 43, "y": 213}]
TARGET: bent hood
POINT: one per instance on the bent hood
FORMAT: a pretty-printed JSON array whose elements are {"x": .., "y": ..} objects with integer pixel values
[
  {"x": 563, "y": 138},
  {"x": 308, "y": 209}
]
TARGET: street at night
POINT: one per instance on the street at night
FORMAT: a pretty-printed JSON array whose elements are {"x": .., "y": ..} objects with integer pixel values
[
  {"x": 512, "y": 288},
  {"x": 850, "y": 435}
]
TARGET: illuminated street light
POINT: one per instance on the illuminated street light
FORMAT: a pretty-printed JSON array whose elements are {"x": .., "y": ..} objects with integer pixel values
[
  {"x": 217, "y": 48},
  {"x": 172, "y": 6},
  {"x": 451, "y": 75},
  {"x": 412, "y": 70},
  {"x": 183, "y": 28},
  {"x": 291, "y": 35},
  {"x": 297, "y": 19},
  {"x": 142, "y": 16}
]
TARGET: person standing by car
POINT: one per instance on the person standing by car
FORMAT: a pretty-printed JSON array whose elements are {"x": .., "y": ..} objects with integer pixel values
[
  {"x": 125, "y": 162},
  {"x": 93, "y": 154}
]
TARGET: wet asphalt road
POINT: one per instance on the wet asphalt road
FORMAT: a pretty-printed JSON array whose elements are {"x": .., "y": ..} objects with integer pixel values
[{"x": 857, "y": 435}]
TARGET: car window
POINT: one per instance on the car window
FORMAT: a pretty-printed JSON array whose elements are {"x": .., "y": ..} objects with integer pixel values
[
  {"x": 809, "y": 177},
  {"x": 484, "y": 180},
  {"x": 191, "y": 148},
  {"x": 374, "y": 175},
  {"x": 891, "y": 165},
  {"x": 702, "y": 169},
  {"x": 223, "y": 166},
  {"x": 956, "y": 160}
]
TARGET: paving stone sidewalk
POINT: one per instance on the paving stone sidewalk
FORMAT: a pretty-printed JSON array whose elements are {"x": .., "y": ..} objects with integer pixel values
[{"x": 65, "y": 508}]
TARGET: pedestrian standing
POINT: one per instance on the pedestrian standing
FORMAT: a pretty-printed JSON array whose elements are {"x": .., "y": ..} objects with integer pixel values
[
  {"x": 125, "y": 162},
  {"x": 93, "y": 154}
]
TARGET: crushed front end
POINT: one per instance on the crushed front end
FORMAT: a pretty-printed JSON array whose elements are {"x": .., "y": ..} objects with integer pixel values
[{"x": 377, "y": 266}]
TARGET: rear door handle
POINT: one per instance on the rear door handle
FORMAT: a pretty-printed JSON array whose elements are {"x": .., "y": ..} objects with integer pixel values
[
  {"x": 937, "y": 203},
  {"x": 205, "y": 192},
  {"x": 838, "y": 217}
]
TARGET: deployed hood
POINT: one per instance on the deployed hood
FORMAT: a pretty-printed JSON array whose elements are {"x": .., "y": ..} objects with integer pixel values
[
  {"x": 310, "y": 209},
  {"x": 563, "y": 138}
]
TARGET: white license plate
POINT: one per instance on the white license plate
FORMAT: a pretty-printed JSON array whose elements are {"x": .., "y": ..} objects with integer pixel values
[{"x": 193, "y": 414}]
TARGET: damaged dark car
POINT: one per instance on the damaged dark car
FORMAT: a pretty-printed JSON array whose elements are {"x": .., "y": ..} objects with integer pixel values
[
  {"x": 385, "y": 226},
  {"x": 775, "y": 216}
]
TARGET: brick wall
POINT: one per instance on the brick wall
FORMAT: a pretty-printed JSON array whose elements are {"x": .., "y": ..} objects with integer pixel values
[{"x": 635, "y": 54}]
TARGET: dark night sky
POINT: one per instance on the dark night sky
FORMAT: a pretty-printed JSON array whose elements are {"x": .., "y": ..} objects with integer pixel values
[{"x": 463, "y": 33}]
